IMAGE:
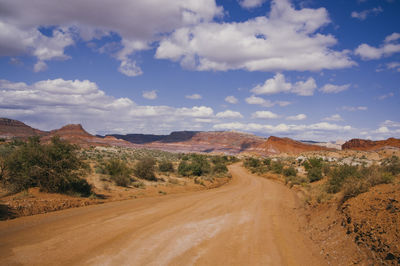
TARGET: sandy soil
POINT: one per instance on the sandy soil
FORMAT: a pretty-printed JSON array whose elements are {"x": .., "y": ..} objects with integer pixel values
[{"x": 250, "y": 221}]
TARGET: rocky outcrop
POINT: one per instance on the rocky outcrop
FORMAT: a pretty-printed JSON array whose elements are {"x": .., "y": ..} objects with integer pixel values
[
  {"x": 74, "y": 133},
  {"x": 370, "y": 145},
  {"x": 10, "y": 128},
  {"x": 275, "y": 145}
]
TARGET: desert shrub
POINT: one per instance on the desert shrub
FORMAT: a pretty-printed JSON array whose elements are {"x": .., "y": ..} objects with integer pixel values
[
  {"x": 289, "y": 171},
  {"x": 267, "y": 161},
  {"x": 119, "y": 172},
  {"x": 295, "y": 180},
  {"x": 252, "y": 162},
  {"x": 200, "y": 166},
  {"x": 314, "y": 174},
  {"x": 392, "y": 165},
  {"x": 165, "y": 166},
  {"x": 352, "y": 187},
  {"x": 276, "y": 167},
  {"x": 339, "y": 175},
  {"x": 53, "y": 167},
  {"x": 144, "y": 169},
  {"x": 313, "y": 163},
  {"x": 183, "y": 168},
  {"x": 219, "y": 168}
]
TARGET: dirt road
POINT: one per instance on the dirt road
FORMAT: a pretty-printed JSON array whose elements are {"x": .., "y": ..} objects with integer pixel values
[{"x": 250, "y": 221}]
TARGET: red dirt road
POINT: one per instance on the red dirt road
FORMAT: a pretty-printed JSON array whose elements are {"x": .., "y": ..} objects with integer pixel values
[{"x": 250, "y": 221}]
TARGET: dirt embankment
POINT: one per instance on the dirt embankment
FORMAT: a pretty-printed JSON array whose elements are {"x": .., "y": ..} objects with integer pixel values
[{"x": 364, "y": 230}]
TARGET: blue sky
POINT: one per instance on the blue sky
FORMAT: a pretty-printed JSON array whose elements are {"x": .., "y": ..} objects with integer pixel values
[{"x": 319, "y": 70}]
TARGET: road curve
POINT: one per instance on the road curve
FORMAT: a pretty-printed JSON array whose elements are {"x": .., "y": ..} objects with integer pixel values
[{"x": 250, "y": 221}]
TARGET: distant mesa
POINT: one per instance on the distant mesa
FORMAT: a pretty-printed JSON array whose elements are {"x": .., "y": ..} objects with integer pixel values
[
  {"x": 370, "y": 145},
  {"x": 224, "y": 142},
  {"x": 276, "y": 145},
  {"x": 10, "y": 128}
]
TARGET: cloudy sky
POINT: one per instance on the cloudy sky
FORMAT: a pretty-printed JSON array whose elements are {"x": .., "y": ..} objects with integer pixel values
[{"x": 305, "y": 69}]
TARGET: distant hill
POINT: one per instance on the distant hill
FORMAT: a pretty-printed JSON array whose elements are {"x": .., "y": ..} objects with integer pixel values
[
  {"x": 370, "y": 145},
  {"x": 276, "y": 145},
  {"x": 226, "y": 142},
  {"x": 10, "y": 128}
]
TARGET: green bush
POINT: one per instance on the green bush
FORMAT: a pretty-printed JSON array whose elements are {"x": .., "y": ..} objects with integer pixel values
[
  {"x": 53, "y": 167},
  {"x": 252, "y": 162},
  {"x": 392, "y": 165},
  {"x": 219, "y": 168},
  {"x": 165, "y": 166},
  {"x": 183, "y": 168},
  {"x": 144, "y": 169},
  {"x": 314, "y": 174},
  {"x": 119, "y": 172},
  {"x": 276, "y": 167},
  {"x": 339, "y": 175},
  {"x": 289, "y": 171}
]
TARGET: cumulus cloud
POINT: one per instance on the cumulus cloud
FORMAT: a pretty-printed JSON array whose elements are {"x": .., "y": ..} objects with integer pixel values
[
  {"x": 331, "y": 88},
  {"x": 15, "y": 41},
  {"x": 362, "y": 15},
  {"x": 58, "y": 102},
  {"x": 278, "y": 84},
  {"x": 264, "y": 115},
  {"x": 251, "y": 3},
  {"x": 389, "y": 47},
  {"x": 335, "y": 117},
  {"x": 150, "y": 95},
  {"x": 229, "y": 114},
  {"x": 139, "y": 23},
  {"x": 297, "y": 117},
  {"x": 194, "y": 96},
  {"x": 258, "y": 44},
  {"x": 265, "y": 103},
  {"x": 231, "y": 99}
]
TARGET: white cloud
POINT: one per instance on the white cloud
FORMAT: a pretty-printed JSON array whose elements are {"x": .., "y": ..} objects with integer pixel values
[
  {"x": 331, "y": 88},
  {"x": 263, "y": 102},
  {"x": 282, "y": 128},
  {"x": 278, "y": 84},
  {"x": 40, "y": 66},
  {"x": 229, "y": 114},
  {"x": 231, "y": 99},
  {"x": 150, "y": 95},
  {"x": 362, "y": 15},
  {"x": 389, "y": 47},
  {"x": 258, "y": 44},
  {"x": 58, "y": 102},
  {"x": 194, "y": 96},
  {"x": 384, "y": 96},
  {"x": 390, "y": 123},
  {"x": 251, "y": 3},
  {"x": 382, "y": 130},
  {"x": 335, "y": 117},
  {"x": 297, "y": 117},
  {"x": 139, "y": 21},
  {"x": 392, "y": 37},
  {"x": 264, "y": 115},
  {"x": 17, "y": 41},
  {"x": 354, "y": 108}
]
